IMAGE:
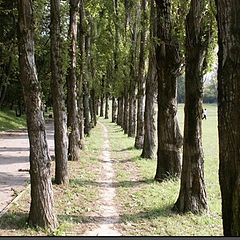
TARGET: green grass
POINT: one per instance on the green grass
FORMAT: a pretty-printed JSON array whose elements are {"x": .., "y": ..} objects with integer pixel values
[
  {"x": 9, "y": 121},
  {"x": 73, "y": 203},
  {"x": 146, "y": 205}
]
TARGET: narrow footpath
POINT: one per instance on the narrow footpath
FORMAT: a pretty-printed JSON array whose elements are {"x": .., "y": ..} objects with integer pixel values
[{"x": 108, "y": 211}]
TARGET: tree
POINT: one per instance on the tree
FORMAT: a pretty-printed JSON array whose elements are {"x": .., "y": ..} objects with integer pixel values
[
  {"x": 41, "y": 209},
  {"x": 73, "y": 123},
  {"x": 228, "y": 19},
  {"x": 192, "y": 196},
  {"x": 60, "y": 118},
  {"x": 141, "y": 79},
  {"x": 149, "y": 144},
  {"x": 168, "y": 69}
]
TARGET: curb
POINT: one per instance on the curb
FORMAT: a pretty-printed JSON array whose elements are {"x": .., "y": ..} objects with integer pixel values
[{"x": 13, "y": 201}]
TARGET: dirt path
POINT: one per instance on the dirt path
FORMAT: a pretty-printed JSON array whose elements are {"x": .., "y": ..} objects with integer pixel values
[
  {"x": 108, "y": 212},
  {"x": 14, "y": 161}
]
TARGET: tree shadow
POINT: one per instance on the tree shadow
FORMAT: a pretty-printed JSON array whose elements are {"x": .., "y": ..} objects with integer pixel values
[
  {"x": 126, "y": 184},
  {"x": 125, "y": 149},
  {"x": 15, "y": 220}
]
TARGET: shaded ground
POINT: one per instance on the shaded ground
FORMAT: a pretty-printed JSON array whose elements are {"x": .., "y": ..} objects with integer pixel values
[{"x": 14, "y": 162}]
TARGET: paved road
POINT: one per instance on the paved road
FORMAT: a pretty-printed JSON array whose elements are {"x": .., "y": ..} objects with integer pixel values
[{"x": 14, "y": 156}]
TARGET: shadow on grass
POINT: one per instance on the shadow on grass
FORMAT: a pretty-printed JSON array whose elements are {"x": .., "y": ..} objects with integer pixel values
[
  {"x": 125, "y": 149},
  {"x": 122, "y": 218},
  {"x": 112, "y": 185},
  {"x": 16, "y": 220}
]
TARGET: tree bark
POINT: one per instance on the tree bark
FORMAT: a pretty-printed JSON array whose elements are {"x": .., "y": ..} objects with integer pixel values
[
  {"x": 168, "y": 65},
  {"x": 41, "y": 209},
  {"x": 60, "y": 118},
  {"x": 82, "y": 34},
  {"x": 73, "y": 122},
  {"x": 141, "y": 81},
  {"x": 150, "y": 143},
  {"x": 192, "y": 196},
  {"x": 228, "y": 19},
  {"x": 114, "y": 110},
  {"x": 126, "y": 111},
  {"x": 94, "y": 104},
  {"x": 120, "y": 114},
  {"x": 106, "y": 105}
]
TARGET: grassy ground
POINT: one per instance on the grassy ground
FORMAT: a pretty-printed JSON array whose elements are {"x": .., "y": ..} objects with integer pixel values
[
  {"x": 9, "y": 121},
  {"x": 144, "y": 205},
  {"x": 73, "y": 204}
]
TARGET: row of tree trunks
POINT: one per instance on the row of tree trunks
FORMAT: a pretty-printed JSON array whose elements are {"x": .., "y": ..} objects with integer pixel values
[
  {"x": 168, "y": 63},
  {"x": 192, "y": 196},
  {"x": 41, "y": 208},
  {"x": 60, "y": 118}
]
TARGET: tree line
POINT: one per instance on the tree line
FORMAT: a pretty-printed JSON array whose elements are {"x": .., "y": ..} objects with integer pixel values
[{"x": 77, "y": 55}]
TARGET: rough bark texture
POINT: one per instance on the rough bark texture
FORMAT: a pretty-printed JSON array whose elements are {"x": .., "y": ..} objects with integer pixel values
[
  {"x": 141, "y": 81},
  {"x": 228, "y": 18},
  {"x": 87, "y": 125},
  {"x": 168, "y": 64},
  {"x": 192, "y": 196},
  {"x": 41, "y": 209},
  {"x": 60, "y": 118},
  {"x": 73, "y": 122}
]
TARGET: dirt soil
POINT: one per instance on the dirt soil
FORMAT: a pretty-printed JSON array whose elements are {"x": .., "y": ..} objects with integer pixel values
[{"x": 14, "y": 162}]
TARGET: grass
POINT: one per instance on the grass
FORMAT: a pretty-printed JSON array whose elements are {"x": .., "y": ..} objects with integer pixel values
[
  {"x": 144, "y": 205},
  {"x": 73, "y": 204},
  {"x": 9, "y": 121}
]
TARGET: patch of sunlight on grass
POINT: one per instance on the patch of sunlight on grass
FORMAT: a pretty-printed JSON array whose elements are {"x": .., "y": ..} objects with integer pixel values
[{"x": 9, "y": 121}]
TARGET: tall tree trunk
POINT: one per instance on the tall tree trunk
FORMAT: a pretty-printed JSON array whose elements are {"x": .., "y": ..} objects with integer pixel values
[
  {"x": 141, "y": 81},
  {"x": 82, "y": 34},
  {"x": 87, "y": 125},
  {"x": 126, "y": 111},
  {"x": 168, "y": 64},
  {"x": 93, "y": 101},
  {"x": 192, "y": 196},
  {"x": 73, "y": 122},
  {"x": 149, "y": 145},
  {"x": 114, "y": 110},
  {"x": 228, "y": 18},
  {"x": 60, "y": 118},
  {"x": 106, "y": 105},
  {"x": 102, "y": 96},
  {"x": 120, "y": 114},
  {"x": 41, "y": 208}
]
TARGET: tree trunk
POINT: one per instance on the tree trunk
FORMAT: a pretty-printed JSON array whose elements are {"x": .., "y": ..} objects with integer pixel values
[
  {"x": 149, "y": 145},
  {"x": 228, "y": 18},
  {"x": 126, "y": 111},
  {"x": 82, "y": 34},
  {"x": 87, "y": 125},
  {"x": 141, "y": 81},
  {"x": 93, "y": 100},
  {"x": 192, "y": 196},
  {"x": 120, "y": 114},
  {"x": 106, "y": 106},
  {"x": 168, "y": 65},
  {"x": 41, "y": 210},
  {"x": 60, "y": 118},
  {"x": 114, "y": 110},
  {"x": 73, "y": 122}
]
